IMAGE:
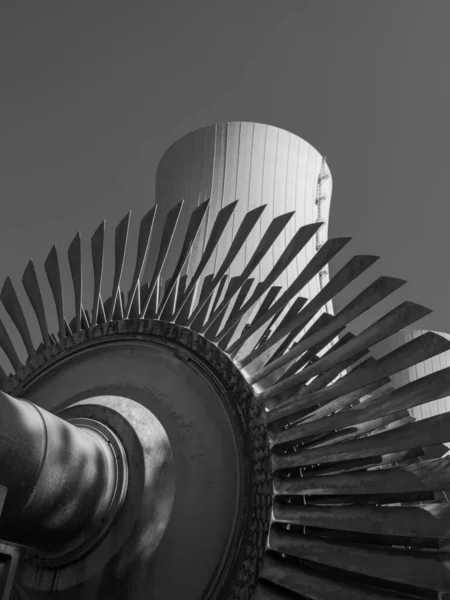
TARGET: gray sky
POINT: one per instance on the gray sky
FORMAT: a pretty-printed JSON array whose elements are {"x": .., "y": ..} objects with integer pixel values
[{"x": 93, "y": 92}]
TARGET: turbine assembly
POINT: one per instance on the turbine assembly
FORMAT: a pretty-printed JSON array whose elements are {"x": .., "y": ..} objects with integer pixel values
[{"x": 200, "y": 439}]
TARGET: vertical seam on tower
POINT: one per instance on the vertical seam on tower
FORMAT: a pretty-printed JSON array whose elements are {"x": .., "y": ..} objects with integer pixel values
[
  {"x": 273, "y": 189},
  {"x": 223, "y": 185},
  {"x": 208, "y": 216},
  {"x": 236, "y": 184},
  {"x": 297, "y": 225},
  {"x": 249, "y": 185},
  {"x": 285, "y": 202},
  {"x": 305, "y": 189},
  {"x": 262, "y": 192}
]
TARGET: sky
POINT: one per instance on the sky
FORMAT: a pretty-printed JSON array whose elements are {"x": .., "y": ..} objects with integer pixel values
[{"x": 93, "y": 92}]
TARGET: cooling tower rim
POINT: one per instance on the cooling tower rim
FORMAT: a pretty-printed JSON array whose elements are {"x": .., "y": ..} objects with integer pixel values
[{"x": 240, "y": 122}]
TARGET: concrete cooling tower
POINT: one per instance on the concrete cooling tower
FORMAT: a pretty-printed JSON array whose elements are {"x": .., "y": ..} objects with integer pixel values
[{"x": 267, "y": 170}]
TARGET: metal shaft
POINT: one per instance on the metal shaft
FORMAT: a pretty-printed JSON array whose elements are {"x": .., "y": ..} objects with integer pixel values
[{"x": 60, "y": 477}]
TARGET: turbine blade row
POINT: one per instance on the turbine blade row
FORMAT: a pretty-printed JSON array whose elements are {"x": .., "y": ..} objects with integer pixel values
[{"x": 357, "y": 481}]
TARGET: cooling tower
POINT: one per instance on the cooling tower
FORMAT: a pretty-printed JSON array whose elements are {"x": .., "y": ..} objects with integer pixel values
[{"x": 260, "y": 166}]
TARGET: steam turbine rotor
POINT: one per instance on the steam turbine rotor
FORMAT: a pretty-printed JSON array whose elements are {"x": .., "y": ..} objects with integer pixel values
[{"x": 208, "y": 438}]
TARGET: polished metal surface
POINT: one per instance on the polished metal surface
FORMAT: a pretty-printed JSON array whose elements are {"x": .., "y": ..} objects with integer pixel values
[{"x": 61, "y": 479}]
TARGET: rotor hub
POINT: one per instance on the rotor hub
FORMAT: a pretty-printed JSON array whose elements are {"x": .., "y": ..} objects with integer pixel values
[{"x": 119, "y": 380}]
